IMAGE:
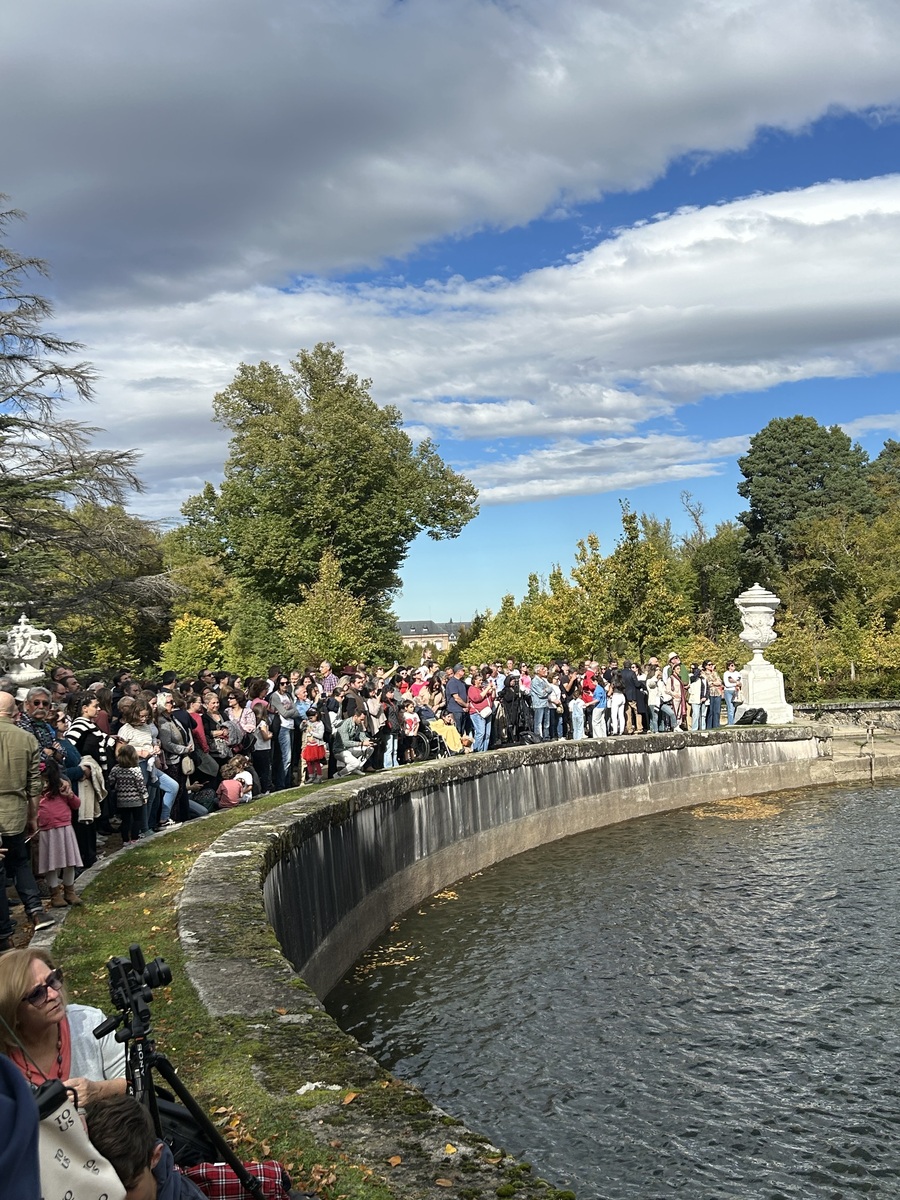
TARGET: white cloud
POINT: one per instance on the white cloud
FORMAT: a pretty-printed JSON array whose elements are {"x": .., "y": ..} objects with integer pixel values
[
  {"x": 888, "y": 423},
  {"x": 578, "y": 468},
  {"x": 189, "y": 146},
  {"x": 737, "y": 297}
]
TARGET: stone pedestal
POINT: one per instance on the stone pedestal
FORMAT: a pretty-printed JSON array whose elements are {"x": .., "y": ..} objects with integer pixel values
[
  {"x": 762, "y": 686},
  {"x": 762, "y": 683}
]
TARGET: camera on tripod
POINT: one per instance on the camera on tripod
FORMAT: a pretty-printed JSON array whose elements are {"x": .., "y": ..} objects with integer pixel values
[
  {"x": 184, "y": 1126},
  {"x": 129, "y": 975},
  {"x": 131, "y": 984}
]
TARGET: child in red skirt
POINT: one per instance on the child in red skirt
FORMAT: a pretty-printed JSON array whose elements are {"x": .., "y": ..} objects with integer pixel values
[{"x": 314, "y": 751}]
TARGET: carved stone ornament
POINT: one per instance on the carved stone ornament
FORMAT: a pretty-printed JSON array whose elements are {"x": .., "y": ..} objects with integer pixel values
[
  {"x": 762, "y": 683},
  {"x": 757, "y": 608},
  {"x": 25, "y": 650}
]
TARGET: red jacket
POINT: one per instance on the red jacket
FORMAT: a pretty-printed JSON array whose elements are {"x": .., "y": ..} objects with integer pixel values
[{"x": 55, "y": 811}]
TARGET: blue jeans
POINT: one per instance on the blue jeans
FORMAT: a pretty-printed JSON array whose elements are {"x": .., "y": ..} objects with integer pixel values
[
  {"x": 666, "y": 719},
  {"x": 576, "y": 708},
  {"x": 283, "y": 768},
  {"x": 698, "y": 716},
  {"x": 730, "y": 704},
  {"x": 390, "y": 751},
  {"x": 713, "y": 717},
  {"x": 482, "y": 729},
  {"x": 542, "y": 724},
  {"x": 18, "y": 868},
  {"x": 169, "y": 788}
]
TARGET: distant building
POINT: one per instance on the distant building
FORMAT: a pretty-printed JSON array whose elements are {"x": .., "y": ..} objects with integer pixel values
[{"x": 439, "y": 634}]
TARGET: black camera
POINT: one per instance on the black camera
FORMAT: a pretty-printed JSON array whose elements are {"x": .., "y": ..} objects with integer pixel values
[{"x": 132, "y": 977}]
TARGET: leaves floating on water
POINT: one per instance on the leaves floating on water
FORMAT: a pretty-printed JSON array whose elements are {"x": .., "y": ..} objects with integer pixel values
[{"x": 740, "y": 808}]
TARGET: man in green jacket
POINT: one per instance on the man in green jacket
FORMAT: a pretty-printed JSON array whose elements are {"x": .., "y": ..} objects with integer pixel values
[
  {"x": 352, "y": 745},
  {"x": 20, "y": 789}
]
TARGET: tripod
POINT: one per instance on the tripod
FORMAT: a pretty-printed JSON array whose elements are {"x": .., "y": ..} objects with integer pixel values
[{"x": 130, "y": 981}]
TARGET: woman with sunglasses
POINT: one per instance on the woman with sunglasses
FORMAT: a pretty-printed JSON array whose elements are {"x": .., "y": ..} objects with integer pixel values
[{"x": 47, "y": 1038}]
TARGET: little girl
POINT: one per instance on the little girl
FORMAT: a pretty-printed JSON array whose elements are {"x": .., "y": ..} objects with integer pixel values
[
  {"x": 57, "y": 847},
  {"x": 410, "y": 729},
  {"x": 314, "y": 747},
  {"x": 262, "y": 747},
  {"x": 236, "y": 786},
  {"x": 127, "y": 781}
]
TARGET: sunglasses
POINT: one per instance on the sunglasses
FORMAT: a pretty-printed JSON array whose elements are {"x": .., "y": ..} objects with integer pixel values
[
  {"x": 41, "y": 703},
  {"x": 39, "y": 995}
]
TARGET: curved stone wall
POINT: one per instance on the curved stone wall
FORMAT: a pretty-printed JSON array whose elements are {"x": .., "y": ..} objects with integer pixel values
[{"x": 335, "y": 879}]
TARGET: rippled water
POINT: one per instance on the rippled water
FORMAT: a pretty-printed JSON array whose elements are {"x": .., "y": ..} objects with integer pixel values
[{"x": 703, "y": 1003}]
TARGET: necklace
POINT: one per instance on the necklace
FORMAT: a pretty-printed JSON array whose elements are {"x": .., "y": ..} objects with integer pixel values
[{"x": 27, "y": 1064}]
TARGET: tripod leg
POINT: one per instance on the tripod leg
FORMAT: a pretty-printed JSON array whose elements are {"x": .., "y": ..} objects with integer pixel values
[
  {"x": 249, "y": 1182},
  {"x": 137, "y": 1073}
]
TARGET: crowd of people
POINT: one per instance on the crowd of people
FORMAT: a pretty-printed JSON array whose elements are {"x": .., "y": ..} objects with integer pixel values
[
  {"x": 134, "y": 756},
  {"x": 83, "y": 759}
]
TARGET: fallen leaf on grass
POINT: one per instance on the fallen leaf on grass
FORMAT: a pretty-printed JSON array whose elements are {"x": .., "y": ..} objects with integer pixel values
[
  {"x": 448, "y": 1149},
  {"x": 335, "y": 1144},
  {"x": 350, "y": 1096},
  {"x": 444, "y": 1182},
  {"x": 395, "y": 1160}
]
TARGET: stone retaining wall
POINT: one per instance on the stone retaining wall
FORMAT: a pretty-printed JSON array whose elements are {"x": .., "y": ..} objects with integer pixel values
[
  {"x": 336, "y": 866},
  {"x": 884, "y": 714}
]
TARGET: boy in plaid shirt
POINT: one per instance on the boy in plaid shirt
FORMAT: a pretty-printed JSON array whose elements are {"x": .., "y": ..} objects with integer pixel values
[{"x": 122, "y": 1130}]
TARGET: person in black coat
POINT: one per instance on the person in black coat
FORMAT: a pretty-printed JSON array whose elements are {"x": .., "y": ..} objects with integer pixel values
[{"x": 630, "y": 689}]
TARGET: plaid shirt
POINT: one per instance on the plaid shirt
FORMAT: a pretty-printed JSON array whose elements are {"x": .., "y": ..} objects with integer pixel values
[
  {"x": 41, "y": 730},
  {"x": 219, "y": 1182}
]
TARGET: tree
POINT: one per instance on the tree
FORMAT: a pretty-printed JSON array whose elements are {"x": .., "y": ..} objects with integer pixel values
[
  {"x": 328, "y": 623},
  {"x": 61, "y": 517},
  {"x": 196, "y": 642},
  {"x": 646, "y": 614},
  {"x": 253, "y": 642},
  {"x": 315, "y": 464},
  {"x": 796, "y": 469}
]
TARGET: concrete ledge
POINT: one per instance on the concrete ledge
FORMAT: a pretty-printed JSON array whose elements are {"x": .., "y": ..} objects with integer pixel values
[{"x": 885, "y": 714}]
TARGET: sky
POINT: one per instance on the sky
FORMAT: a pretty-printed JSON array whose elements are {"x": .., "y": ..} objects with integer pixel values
[{"x": 590, "y": 248}]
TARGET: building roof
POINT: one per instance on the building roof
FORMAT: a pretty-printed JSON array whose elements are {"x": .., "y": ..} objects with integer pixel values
[{"x": 428, "y": 629}]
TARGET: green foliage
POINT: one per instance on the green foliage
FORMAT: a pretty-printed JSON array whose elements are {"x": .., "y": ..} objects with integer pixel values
[
  {"x": 329, "y": 622},
  {"x": 315, "y": 464},
  {"x": 458, "y": 651},
  {"x": 253, "y": 642},
  {"x": 796, "y": 469},
  {"x": 196, "y": 642},
  {"x": 69, "y": 554},
  {"x": 645, "y": 612}
]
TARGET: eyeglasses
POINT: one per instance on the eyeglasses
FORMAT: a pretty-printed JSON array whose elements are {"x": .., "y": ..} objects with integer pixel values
[
  {"x": 282, "y": 683},
  {"x": 38, "y": 996},
  {"x": 40, "y": 703}
]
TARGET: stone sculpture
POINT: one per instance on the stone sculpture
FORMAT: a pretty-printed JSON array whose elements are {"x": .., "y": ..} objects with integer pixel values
[
  {"x": 25, "y": 650},
  {"x": 763, "y": 683}
]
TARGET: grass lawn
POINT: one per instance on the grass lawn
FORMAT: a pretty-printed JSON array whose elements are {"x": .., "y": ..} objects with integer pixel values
[{"x": 133, "y": 900}]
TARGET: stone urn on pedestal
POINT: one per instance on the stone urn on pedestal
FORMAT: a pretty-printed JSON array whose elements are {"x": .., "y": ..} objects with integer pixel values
[
  {"x": 25, "y": 650},
  {"x": 762, "y": 683}
]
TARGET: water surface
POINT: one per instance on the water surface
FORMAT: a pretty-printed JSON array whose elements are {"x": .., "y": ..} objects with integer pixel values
[{"x": 702, "y": 1003}]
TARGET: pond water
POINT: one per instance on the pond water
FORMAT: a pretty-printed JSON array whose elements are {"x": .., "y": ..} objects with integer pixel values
[{"x": 703, "y": 1003}]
